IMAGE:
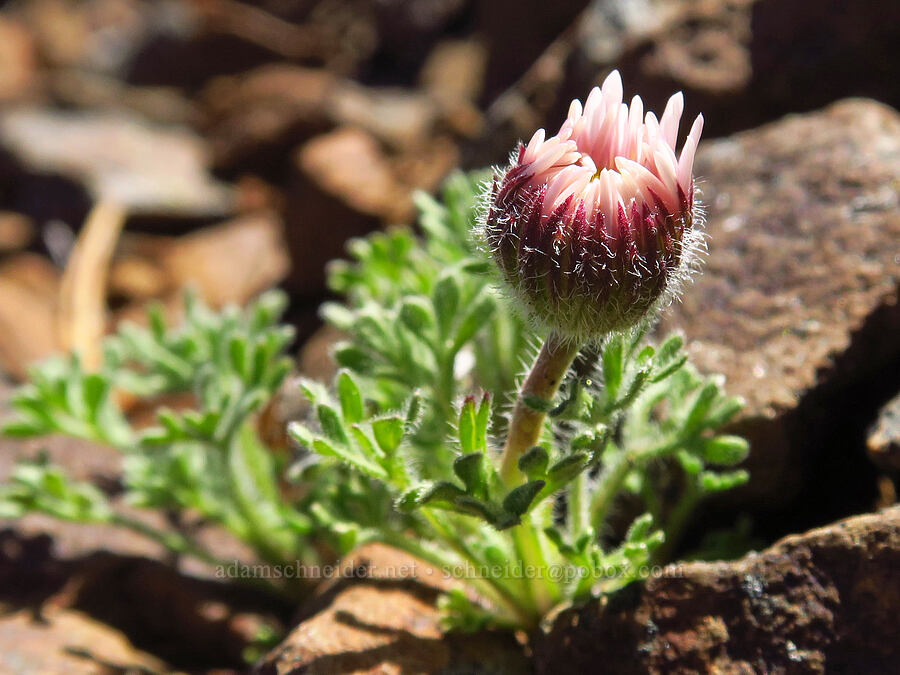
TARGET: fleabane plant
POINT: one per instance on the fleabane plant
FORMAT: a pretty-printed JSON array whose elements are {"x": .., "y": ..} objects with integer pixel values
[
  {"x": 534, "y": 490},
  {"x": 591, "y": 232}
]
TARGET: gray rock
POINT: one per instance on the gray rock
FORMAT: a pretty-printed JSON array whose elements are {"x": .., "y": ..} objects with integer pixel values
[{"x": 797, "y": 301}]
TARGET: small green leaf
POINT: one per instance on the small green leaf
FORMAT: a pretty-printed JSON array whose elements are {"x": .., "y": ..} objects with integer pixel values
[
  {"x": 534, "y": 462},
  {"x": 353, "y": 358},
  {"x": 388, "y": 433},
  {"x": 640, "y": 528},
  {"x": 446, "y": 302},
  {"x": 331, "y": 423},
  {"x": 723, "y": 411},
  {"x": 613, "y": 360},
  {"x": 475, "y": 507},
  {"x": 725, "y": 450},
  {"x": 702, "y": 403},
  {"x": 691, "y": 464},
  {"x": 416, "y": 314},
  {"x": 350, "y": 398},
  {"x": 568, "y": 467},
  {"x": 237, "y": 352},
  {"x": 473, "y": 321},
  {"x": 469, "y": 469},
  {"x": 443, "y": 491},
  {"x": 519, "y": 499},
  {"x": 719, "y": 482}
]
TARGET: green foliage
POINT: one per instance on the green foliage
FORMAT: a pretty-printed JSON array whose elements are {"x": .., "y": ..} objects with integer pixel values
[
  {"x": 207, "y": 459},
  {"x": 403, "y": 447}
]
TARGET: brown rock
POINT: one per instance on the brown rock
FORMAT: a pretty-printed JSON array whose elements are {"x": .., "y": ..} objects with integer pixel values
[
  {"x": 797, "y": 303},
  {"x": 883, "y": 442},
  {"x": 231, "y": 262},
  {"x": 258, "y": 116},
  {"x": 454, "y": 70},
  {"x": 396, "y": 117},
  {"x": 18, "y": 62},
  {"x": 67, "y": 641},
  {"x": 84, "y": 89},
  {"x": 824, "y": 601},
  {"x": 28, "y": 330},
  {"x": 315, "y": 359},
  {"x": 16, "y": 231},
  {"x": 384, "y": 621},
  {"x": 342, "y": 186}
]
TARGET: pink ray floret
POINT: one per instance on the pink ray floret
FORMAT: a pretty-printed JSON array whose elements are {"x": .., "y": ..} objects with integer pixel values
[{"x": 607, "y": 156}]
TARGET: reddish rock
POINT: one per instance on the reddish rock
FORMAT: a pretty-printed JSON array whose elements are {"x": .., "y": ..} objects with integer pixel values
[
  {"x": 28, "y": 330},
  {"x": 16, "y": 231},
  {"x": 18, "y": 61},
  {"x": 67, "y": 641},
  {"x": 231, "y": 262},
  {"x": 821, "y": 602},
  {"x": 383, "y": 621}
]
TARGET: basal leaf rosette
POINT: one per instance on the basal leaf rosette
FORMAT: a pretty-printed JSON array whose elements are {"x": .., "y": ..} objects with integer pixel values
[{"x": 594, "y": 226}]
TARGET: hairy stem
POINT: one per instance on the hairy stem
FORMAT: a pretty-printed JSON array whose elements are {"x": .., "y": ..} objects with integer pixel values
[
  {"x": 609, "y": 485},
  {"x": 540, "y": 386}
]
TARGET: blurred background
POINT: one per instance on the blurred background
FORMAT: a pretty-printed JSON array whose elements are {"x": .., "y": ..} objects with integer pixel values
[
  {"x": 236, "y": 146},
  {"x": 241, "y": 144}
]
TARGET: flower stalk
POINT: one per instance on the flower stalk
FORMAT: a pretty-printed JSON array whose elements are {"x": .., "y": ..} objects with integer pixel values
[{"x": 535, "y": 396}]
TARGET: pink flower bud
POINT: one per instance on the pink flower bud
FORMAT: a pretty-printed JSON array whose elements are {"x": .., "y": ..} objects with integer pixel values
[{"x": 592, "y": 226}]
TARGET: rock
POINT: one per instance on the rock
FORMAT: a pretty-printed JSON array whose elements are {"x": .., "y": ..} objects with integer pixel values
[
  {"x": 819, "y": 602},
  {"x": 120, "y": 158},
  {"x": 16, "y": 231},
  {"x": 343, "y": 185},
  {"x": 231, "y": 262},
  {"x": 384, "y": 621},
  {"x": 347, "y": 184},
  {"x": 18, "y": 61},
  {"x": 453, "y": 75},
  {"x": 396, "y": 117},
  {"x": 315, "y": 359},
  {"x": 87, "y": 90},
  {"x": 68, "y": 641},
  {"x": 28, "y": 330},
  {"x": 253, "y": 119},
  {"x": 883, "y": 442},
  {"x": 454, "y": 70},
  {"x": 741, "y": 62},
  {"x": 797, "y": 304}
]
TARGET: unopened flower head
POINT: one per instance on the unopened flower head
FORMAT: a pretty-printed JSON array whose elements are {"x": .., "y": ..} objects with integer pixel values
[{"x": 591, "y": 227}]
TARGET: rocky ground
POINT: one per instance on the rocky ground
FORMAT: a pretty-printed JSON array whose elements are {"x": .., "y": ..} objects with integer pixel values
[{"x": 227, "y": 131}]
